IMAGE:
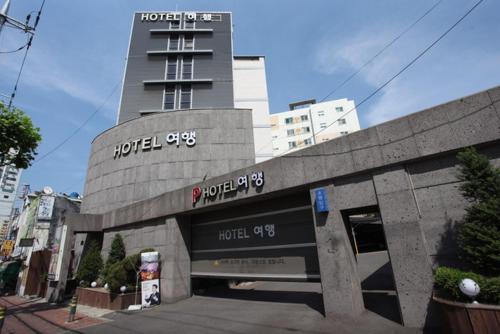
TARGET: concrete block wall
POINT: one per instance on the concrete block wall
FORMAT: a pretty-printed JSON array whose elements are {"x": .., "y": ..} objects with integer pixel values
[{"x": 224, "y": 142}]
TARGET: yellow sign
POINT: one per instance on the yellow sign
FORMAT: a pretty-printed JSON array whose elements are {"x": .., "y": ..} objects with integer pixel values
[{"x": 7, "y": 247}]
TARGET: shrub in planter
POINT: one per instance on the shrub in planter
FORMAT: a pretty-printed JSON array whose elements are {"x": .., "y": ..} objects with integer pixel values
[
  {"x": 479, "y": 235},
  {"x": 116, "y": 276},
  {"x": 448, "y": 279},
  {"x": 91, "y": 265},
  {"x": 116, "y": 254},
  {"x": 124, "y": 272}
]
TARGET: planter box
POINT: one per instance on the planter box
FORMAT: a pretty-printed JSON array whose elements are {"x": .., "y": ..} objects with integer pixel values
[
  {"x": 464, "y": 318},
  {"x": 102, "y": 298}
]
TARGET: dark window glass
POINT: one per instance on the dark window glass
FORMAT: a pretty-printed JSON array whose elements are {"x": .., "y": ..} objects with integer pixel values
[
  {"x": 174, "y": 42},
  {"x": 188, "y": 42},
  {"x": 171, "y": 68},
  {"x": 189, "y": 25},
  {"x": 174, "y": 25},
  {"x": 186, "y": 96},
  {"x": 169, "y": 98},
  {"x": 187, "y": 67}
]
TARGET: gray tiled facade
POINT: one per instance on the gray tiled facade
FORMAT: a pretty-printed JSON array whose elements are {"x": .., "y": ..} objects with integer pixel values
[
  {"x": 224, "y": 142},
  {"x": 211, "y": 77}
]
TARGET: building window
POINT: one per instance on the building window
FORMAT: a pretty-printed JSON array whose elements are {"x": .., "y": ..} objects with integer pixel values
[
  {"x": 322, "y": 125},
  {"x": 172, "y": 68},
  {"x": 173, "y": 44},
  {"x": 169, "y": 101},
  {"x": 188, "y": 42},
  {"x": 339, "y": 109},
  {"x": 341, "y": 121},
  {"x": 188, "y": 24},
  {"x": 306, "y": 129},
  {"x": 292, "y": 144},
  {"x": 304, "y": 118},
  {"x": 290, "y": 133},
  {"x": 187, "y": 67},
  {"x": 186, "y": 96},
  {"x": 289, "y": 120},
  {"x": 175, "y": 24},
  {"x": 308, "y": 141},
  {"x": 321, "y": 113},
  {"x": 343, "y": 133}
]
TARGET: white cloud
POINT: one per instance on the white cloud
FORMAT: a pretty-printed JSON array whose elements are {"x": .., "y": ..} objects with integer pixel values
[
  {"x": 446, "y": 72},
  {"x": 50, "y": 70}
]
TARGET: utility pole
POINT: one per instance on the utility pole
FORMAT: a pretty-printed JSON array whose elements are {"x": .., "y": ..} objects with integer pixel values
[
  {"x": 3, "y": 13},
  {"x": 6, "y": 19}
]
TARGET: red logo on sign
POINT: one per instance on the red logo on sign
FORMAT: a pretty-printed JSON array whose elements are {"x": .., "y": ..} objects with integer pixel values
[{"x": 196, "y": 194}]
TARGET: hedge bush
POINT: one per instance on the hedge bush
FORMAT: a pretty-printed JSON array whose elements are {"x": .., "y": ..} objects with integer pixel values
[
  {"x": 116, "y": 254},
  {"x": 124, "y": 272},
  {"x": 91, "y": 265},
  {"x": 448, "y": 279}
]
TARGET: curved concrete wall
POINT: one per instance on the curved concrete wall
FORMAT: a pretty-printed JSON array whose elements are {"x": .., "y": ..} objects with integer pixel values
[{"x": 224, "y": 142}]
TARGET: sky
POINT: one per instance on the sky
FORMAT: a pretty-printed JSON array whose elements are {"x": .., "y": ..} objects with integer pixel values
[{"x": 76, "y": 63}]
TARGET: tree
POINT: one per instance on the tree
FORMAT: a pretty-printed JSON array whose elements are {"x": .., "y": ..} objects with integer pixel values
[
  {"x": 115, "y": 255},
  {"x": 479, "y": 235},
  {"x": 19, "y": 138},
  {"x": 90, "y": 265}
]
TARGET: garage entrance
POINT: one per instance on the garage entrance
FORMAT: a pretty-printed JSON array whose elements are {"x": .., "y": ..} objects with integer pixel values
[{"x": 245, "y": 246}]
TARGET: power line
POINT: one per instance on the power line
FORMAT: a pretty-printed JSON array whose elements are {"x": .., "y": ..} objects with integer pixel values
[
  {"x": 349, "y": 78},
  {"x": 79, "y": 128},
  {"x": 404, "y": 68},
  {"x": 381, "y": 51},
  {"x": 28, "y": 45}
]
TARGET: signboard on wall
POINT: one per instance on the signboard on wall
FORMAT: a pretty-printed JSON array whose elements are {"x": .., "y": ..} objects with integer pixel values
[
  {"x": 275, "y": 245},
  {"x": 57, "y": 253},
  {"x": 45, "y": 207},
  {"x": 7, "y": 247}
]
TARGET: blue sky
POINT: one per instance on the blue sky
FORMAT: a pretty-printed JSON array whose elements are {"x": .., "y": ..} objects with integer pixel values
[{"x": 78, "y": 57}]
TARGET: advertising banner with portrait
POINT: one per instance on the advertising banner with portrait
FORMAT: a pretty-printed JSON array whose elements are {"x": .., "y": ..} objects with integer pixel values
[
  {"x": 150, "y": 274},
  {"x": 150, "y": 291}
]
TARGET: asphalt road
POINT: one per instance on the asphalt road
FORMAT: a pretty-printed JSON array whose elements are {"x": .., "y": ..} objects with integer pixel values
[{"x": 257, "y": 308}]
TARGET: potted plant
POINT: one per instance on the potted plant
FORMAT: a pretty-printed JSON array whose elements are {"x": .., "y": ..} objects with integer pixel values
[{"x": 474, "y": 308}]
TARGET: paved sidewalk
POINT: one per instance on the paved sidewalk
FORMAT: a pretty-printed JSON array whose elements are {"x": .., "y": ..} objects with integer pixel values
[{"x": 26, "y": 316}]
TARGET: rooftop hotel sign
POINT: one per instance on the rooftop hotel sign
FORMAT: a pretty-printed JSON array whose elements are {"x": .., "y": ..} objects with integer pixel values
[
  {"x": 175, "y": 16},
  {"x": 155, "y": 143}
]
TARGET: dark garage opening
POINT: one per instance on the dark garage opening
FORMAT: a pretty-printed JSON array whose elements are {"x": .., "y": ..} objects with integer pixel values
[
  {"x": 366, "y": 233},
  {"x": 261, "y": 251}
]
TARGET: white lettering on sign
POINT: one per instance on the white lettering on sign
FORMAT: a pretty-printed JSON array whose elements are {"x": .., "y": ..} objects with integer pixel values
[
  {"x": 212, "y": 192},
  {"x": 262, "y": 231},
  {"x": 160, "y": 17},
  {"x": 153, "y": 143},
  {"x": 188, "y": 16}
]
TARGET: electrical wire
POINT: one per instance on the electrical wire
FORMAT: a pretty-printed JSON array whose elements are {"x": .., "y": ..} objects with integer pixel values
[
  {"x": 350, "y": 77},
  {"x": 79, "y": 128},
  {"x": 381, "y": 51},
  {"x": 16, "y": 50},
  {"x": 28, "y": 45},
  {"x": 414, "y": 60}
]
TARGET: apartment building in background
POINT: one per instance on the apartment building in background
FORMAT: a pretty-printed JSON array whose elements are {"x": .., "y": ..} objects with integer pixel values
[{"x": 308, "y": 123}]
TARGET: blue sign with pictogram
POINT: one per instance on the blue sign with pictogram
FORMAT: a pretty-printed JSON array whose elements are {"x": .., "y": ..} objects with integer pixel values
[{"x": 321, "y": 200}]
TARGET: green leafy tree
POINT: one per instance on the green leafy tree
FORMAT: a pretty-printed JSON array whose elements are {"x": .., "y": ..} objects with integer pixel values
[
  {"x": 479, "y": 235},
  {"x": 116, "y": 254},
  {"x": 19, "y": 138},
  {"x": 90, "y": 265}
]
